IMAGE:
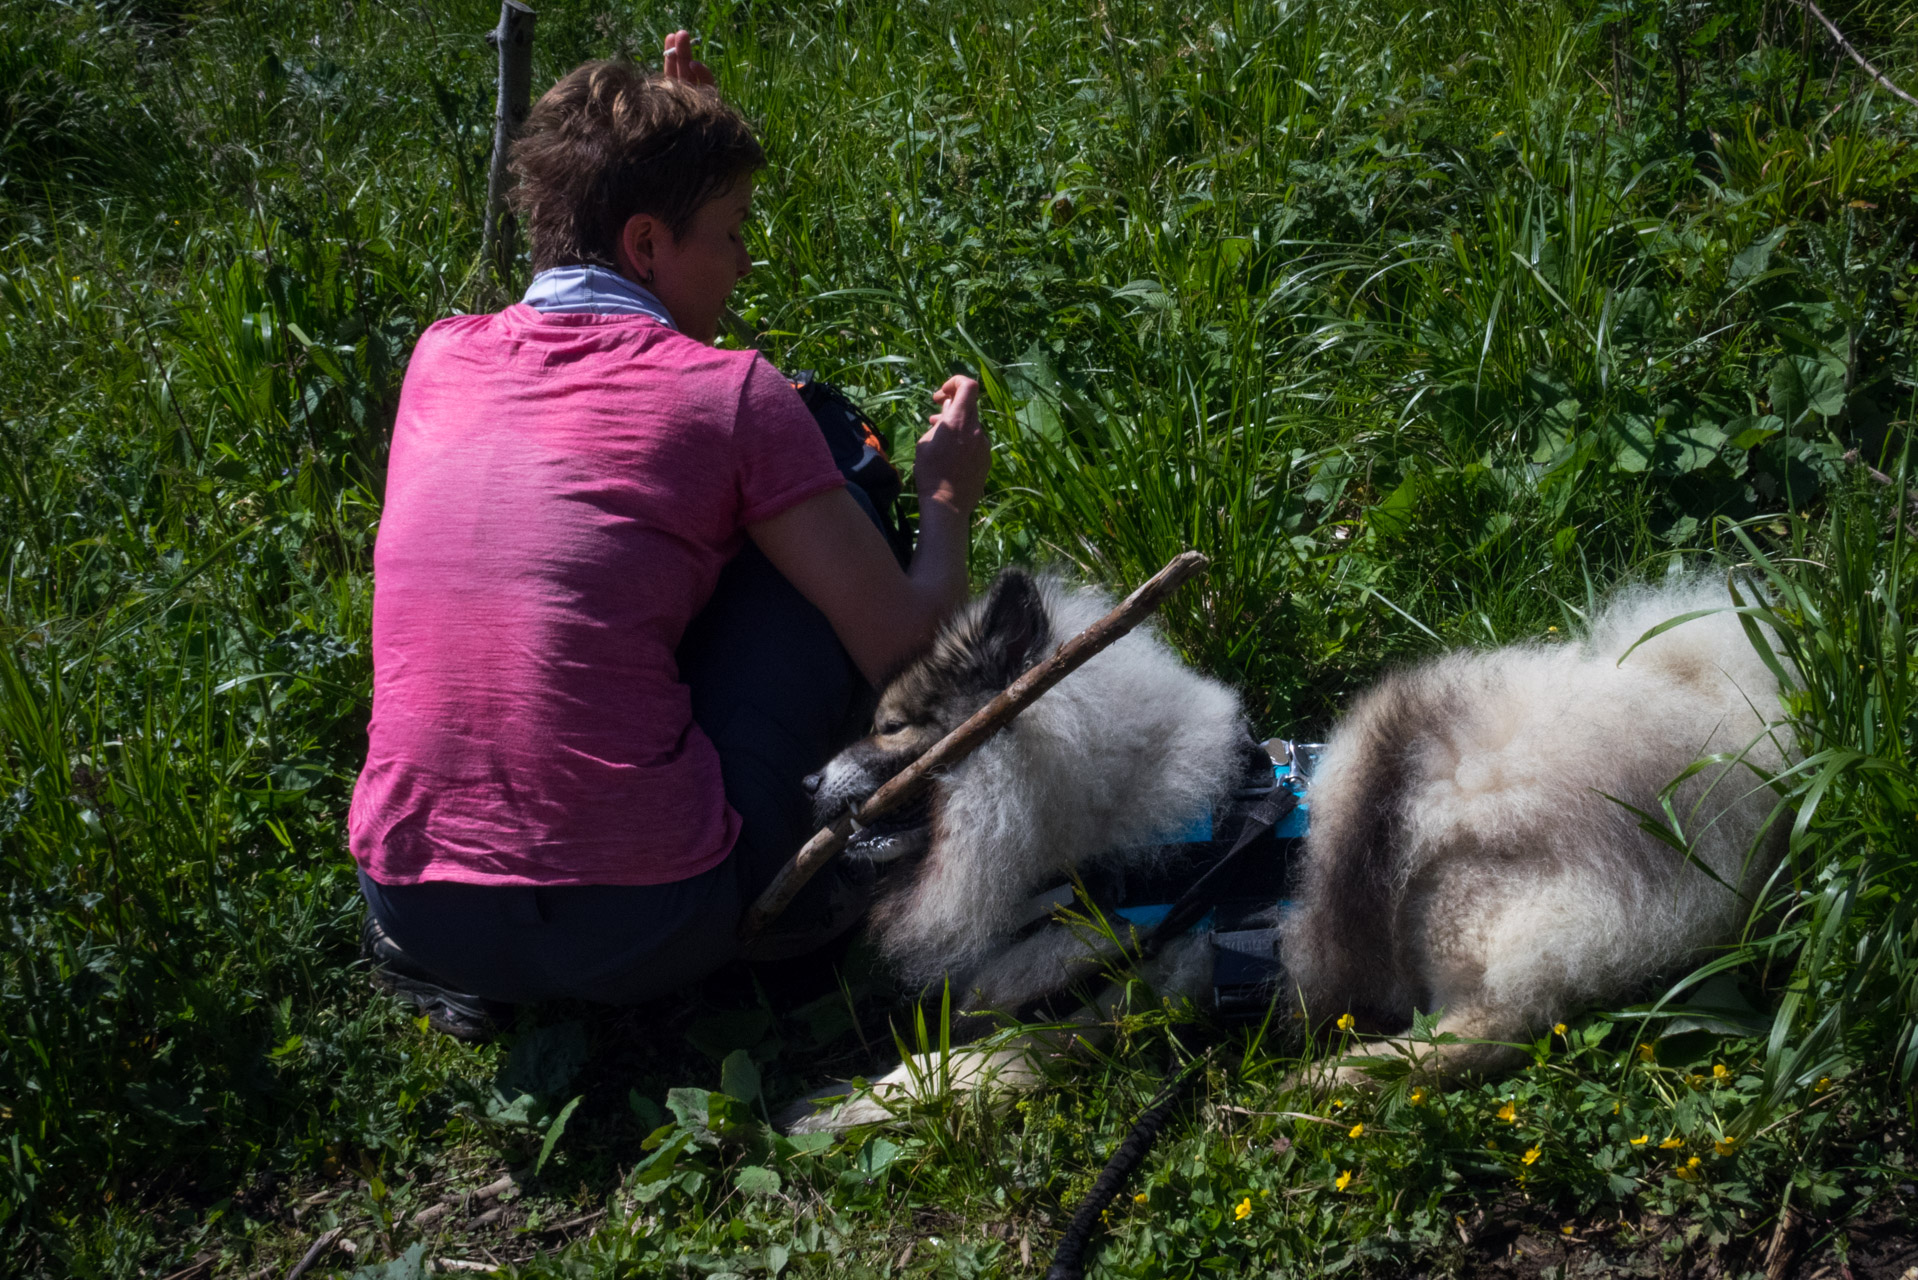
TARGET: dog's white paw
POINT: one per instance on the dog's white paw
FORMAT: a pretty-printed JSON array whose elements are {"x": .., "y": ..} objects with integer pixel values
[
  {"x": 996, "y": 1073},
  {"x": 832, "y": 1113}
]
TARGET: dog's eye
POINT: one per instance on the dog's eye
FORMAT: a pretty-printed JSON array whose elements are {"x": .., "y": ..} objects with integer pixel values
[{"x": 890, "y": 726}]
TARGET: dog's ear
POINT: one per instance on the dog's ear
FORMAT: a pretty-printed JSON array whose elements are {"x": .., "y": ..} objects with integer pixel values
[{"x": 1014, "y": 630}]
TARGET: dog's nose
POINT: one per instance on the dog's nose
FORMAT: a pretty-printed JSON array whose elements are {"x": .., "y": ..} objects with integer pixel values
[{"x": 811, "y": 782}]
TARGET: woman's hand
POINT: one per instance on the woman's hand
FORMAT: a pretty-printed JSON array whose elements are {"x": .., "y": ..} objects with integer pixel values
[
  {"x": 951, "y": 461},
  {"x": 680, "y": 63}
]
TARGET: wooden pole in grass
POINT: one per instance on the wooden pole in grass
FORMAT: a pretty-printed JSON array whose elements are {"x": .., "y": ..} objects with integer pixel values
[
  {"x": 966, "y": 739},
  {"x": 514, "y": 40}
]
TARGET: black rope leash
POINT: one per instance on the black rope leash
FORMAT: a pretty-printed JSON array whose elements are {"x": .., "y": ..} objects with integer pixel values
[{"x": 1069, "y": 1259}]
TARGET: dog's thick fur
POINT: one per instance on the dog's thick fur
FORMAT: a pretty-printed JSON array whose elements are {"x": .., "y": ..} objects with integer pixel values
[
  {"x": 1470, "y": 847},
  {"x": 1126, "y": 748}
]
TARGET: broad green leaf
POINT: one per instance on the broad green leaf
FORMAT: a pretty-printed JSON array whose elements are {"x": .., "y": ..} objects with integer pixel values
[
  {"x": 518, "y": 1110},
  {"x": 1801, "y": 386},
  {"x": 544, "y": 1061},
  {"x": 876, "y": 1156},
  {"x": 1749, "y": 432},
  {"x": 1637, "y": 436},
  {"x": 688, "y": 1106},
  {"x": 1755, "y": 258},
  {"x": 809, "y": 1143},
  {"x": 410, "y": 1265},
  {"x": 757, "y": 1180},
  {"x": 1788, "y": 391},
  {"x": 1394, "y": 515},
  {"x": 1690, "y": 449},
  {"x": 659, "y": 1165}
]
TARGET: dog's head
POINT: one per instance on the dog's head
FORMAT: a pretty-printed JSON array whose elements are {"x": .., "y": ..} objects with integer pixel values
[{"x": 986, "y": 647}]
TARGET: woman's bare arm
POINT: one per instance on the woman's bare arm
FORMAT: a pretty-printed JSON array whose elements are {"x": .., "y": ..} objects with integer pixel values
[{"x": 828, "y": 548}]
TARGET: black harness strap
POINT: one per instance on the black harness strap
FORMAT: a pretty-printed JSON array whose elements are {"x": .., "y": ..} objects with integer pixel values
[{"x": 1265, "y": 814}]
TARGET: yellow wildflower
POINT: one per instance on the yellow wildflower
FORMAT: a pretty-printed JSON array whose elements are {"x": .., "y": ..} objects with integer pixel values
[
  {"x": 1645, "y": 1052},
  {"x": 1530, "y": 1156},
  {"x": 1244, "y": 1209},
  {"x": 1719, "y": 1071},
  {"x": 1508, "y": 1113},
  {"x": 1139, "y": 1199},
  {"x": 1343, "y": 1181},
  {"x": 1694, "y": 1079},
  {"x": 1416, "y": 1097},
  {"x": 1824, "y": 1083},
  {"x": 1689, "y": 1169},
  {"x": 1723, "y": 1146},
  {"x": 1339, "y": 1103},
  {"x": 1641, "y": 1139},
  {"x": 1671, "y": 1144},
  {"x": 1345, "y": 1022},
  {"x": 1558, "y": 1028},
  {"x": 1615, "y": 1107},
  {"x": 1358, "y": 1130}
]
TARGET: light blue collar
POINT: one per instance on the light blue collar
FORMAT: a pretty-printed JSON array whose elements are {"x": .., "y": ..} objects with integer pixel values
[{"x": 594, "y": 290}]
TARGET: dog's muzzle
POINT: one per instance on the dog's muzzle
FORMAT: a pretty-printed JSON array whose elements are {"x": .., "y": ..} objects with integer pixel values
[{"x": 843, "y": 784}]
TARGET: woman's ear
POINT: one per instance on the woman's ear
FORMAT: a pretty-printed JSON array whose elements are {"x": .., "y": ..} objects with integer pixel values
[{"x": 638, "y": 241}]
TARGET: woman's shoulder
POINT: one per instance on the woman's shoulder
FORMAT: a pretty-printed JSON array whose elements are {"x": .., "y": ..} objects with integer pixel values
[
  {"x": 461, "y": 322},
  {"x": 740, "y": 376},
  {"x": 455, "y": 331}
]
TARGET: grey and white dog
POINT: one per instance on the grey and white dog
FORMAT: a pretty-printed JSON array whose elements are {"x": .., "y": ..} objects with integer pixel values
[
  {"x": 1125, "y": 749},
  {"x": 1474, "y": 849},
  {"x": 1471, "y": 850}
]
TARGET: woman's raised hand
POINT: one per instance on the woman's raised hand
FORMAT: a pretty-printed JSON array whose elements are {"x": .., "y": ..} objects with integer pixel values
[
  {"x": 680, "y": 63},
  {"x": 828, "y": 548},
  {"x": 951, "y": 461}
]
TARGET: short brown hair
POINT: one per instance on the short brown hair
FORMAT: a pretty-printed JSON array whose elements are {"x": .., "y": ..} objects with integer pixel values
[{"x": 610, "y": 141}]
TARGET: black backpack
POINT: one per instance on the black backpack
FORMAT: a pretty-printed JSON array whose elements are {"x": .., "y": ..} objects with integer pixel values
[{"x": 860, "y": 451}]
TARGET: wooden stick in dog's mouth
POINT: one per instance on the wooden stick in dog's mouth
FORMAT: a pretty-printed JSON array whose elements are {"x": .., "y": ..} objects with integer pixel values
[{"x": 967, "y": 738}]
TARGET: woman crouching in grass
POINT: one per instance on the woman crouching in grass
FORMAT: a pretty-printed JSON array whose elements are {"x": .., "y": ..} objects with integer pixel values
[{"x": 623, "y": 599}]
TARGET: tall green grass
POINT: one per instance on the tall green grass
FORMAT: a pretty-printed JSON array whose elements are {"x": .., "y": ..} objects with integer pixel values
[
  {"x": 1424, "y": 323},
  {"x": 1842, "y": 616}
]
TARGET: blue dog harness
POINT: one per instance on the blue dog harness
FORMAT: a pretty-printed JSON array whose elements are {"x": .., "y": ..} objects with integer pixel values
[{"x": 1220, "y": 877}]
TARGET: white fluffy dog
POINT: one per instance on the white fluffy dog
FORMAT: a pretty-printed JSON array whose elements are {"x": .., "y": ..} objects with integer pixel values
[
  {"x": 1124, "y": 750},
  {"x": 1471, "y": 848}
]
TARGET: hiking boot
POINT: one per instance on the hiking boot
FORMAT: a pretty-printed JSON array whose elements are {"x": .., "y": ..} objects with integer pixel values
[{"x": 471, "y": 1018}]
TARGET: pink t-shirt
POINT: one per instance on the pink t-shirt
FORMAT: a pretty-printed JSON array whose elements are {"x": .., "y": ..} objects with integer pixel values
[{"x": 563, "y": 492}]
